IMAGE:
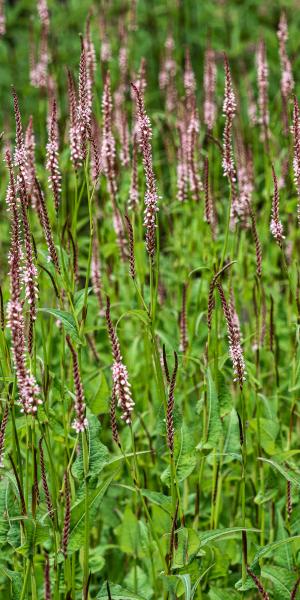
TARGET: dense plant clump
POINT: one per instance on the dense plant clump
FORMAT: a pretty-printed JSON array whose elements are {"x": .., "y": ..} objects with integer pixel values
[{"x": 149, "y": 301}]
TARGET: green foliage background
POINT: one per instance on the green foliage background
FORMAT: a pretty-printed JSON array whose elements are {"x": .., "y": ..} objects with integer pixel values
[{"x": 128, "y": 498}]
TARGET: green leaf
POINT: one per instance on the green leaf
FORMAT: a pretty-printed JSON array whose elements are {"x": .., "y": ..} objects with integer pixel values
[
  {"x": 188, "y": 544},
  {"x": 283, "y": 580},
  {"x": 165, "y": 502},
  {"x": 214, "y": 425},
  {"x": 98, "y": 453},
  {"x": 16, "y": 581},
  {"x": 137, "y": 581},
  {"x": 184, "y": 467},
  {"x": 67, "y": 320},
  {"x": 222, "y": 594},
  {"x": 78, "y": 514},
  {"x": 142, "y": 315},
  {"x": 285, "y": 471},
  {"x": 202, "y": 268},
  {"x": 128, "y": 533},
  {"x": 284, "y": 554},
  {"x": 224, "y": 395},
  {"x": 36, "y": 533},
  {"x": 232, "y": 444},
  {"x": 79, "y": 299},
  {"x": 269, "y": 430},
  {"x": 216, "y": 534},
  {"x": 99, "y": 402},
  {"x": 273, "y": 546},
  {"x": 96, "y": 560},
  {"x": 186, "y": 580},
  {"x": 117, "y": 593}
]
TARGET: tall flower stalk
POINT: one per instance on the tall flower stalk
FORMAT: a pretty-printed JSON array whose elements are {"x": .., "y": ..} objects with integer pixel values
[
  {"x": 151, "y": 195},
  {"x": 276, "y": 225},
  {"x": 29, "y": 269},
  {"x": 52, "y": 165},
  {"x": 235, "y": 348},
  {"x": 229, "y": 110},
  {"x": 80, "y": 422},
  {"x": 287, "y": 80},
  {"x": 263, "y": 84},
  {"x": 296, "y": 159},
  {"x": 209, "y": 85},
  {"x": 28, "y": 388},
  {"x": 229, "y": 171},
  {"x": 108, "y": 153},
  {"x": 121, "y": 385}
]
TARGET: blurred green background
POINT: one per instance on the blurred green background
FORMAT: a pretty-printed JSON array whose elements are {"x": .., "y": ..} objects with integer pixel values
[{"x": 229, "y": 25}]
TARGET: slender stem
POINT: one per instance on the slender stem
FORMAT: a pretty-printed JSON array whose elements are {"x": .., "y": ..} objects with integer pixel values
[
  {"x": 227, "y": 229},
  {"x": 25, "y": 582},
  {"x": 243, "y": 481},
  {"x": 85, "y": 452}
]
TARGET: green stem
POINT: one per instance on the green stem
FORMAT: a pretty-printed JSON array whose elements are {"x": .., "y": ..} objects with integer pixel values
[
  {"x": 25, "y": 582},
  {"x": 85, "y": 452},
  {"x": 227, "y": 230}
]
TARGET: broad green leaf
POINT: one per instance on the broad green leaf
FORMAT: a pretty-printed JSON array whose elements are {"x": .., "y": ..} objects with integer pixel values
[
  {"x": 283, "y": 580},
  {"x": 137, "y": 581},
  {"x": 67, "y": 320},
  {"x": 184, "y": 467},
  {"x": 269, "y": 430},
  {"x": 128, "y": 533},
  {"x": 224, "y": 395},
  {"x": 284, "y": 554},
  {"x": 222, "y": 594},
  {"x": 78, "y": 514},
  {"x": 185, "y": 456},
  {"x": 214, "y": 425},
  {"x": 4, "y": 527},
  {"x": 98, "y": 453},
  {"x": 99, "y": 402},
  {"x": 117, "y": 593},
  {"x": 188, "y": 544},
  {"x": 96, "y": 560},
  {"x": 232, "y": 444},
  {"x": 36, "y": 533},
  {"x": 79, "y": 299},
  {"x": 285, "y": 471},
  {"x": 16, "y": 581},
  {"x": 165, "y": 502}
]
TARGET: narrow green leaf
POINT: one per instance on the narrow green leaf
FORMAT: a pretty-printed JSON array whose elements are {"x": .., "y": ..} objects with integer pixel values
[
  {"x": 216, "y": 534},
  {"x": 186, "y": 580}
]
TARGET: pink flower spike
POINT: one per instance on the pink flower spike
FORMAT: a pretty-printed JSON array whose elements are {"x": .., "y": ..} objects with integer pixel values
[
  {"x": 276, "y": 225},
  {"x": 52, "y": 165},
  {"x": 151, "y": 195}
]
